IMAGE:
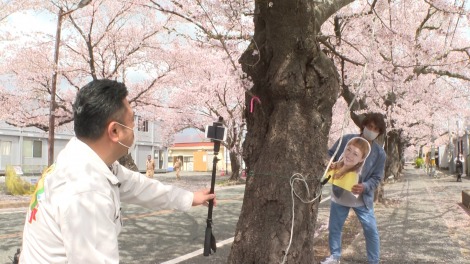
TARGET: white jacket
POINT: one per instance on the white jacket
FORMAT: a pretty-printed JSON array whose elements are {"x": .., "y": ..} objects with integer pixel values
[{"x": 77, "y": 217}]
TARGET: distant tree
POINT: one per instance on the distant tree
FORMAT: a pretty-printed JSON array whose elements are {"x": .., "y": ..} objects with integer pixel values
[
  {"x": 214, "y": 85},
  {"x": 107, "y": 39}
]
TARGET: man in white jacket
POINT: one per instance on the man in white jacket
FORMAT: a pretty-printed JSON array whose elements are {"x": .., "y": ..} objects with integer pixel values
[{"x": 75, "y": 213}]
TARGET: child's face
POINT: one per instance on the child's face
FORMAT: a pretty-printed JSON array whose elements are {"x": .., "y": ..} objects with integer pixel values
[{"x": 352, "y": 155}]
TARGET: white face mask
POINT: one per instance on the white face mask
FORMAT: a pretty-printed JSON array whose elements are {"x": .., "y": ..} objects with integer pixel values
[
  {"x": 369, "y": 135},
  {"x": 131, "y": 147}
]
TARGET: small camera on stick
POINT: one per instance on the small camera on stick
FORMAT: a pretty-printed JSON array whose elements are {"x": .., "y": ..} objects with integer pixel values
[{"x": 216, "y": 131}]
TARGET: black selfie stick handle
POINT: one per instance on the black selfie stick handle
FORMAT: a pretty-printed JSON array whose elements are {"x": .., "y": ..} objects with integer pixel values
[
  {"x": 209, "y": 239},
  {"x": 208, "y": 236},
  {"x": 214, "y": 169}
]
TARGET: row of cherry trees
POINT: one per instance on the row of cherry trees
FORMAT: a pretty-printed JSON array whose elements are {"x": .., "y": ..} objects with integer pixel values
[
  {"x": 220, "y": 30},
  {"x": 414, "y": 53},
  {"x": 107, "y": 39},
  {"x": 416, "y": 57},
  {"x": 179, "y": 61}
]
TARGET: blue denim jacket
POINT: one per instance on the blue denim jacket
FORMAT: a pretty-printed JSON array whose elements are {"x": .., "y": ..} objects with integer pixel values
[{"x": 372, "y": 171}]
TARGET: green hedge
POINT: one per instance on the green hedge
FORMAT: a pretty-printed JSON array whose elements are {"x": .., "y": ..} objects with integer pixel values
[{"x": 419, "y": 162}]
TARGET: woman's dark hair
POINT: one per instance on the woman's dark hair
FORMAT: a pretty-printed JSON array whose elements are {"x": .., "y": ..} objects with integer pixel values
[
  {"x": 97, "y": 103},
  {"x": 377, "y": 119}
]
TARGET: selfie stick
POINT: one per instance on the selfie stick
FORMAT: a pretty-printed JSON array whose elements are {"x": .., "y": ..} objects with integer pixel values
[{"x": 209, "y": 241}]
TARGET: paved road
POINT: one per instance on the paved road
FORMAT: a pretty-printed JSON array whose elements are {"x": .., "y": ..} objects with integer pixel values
[
  {"x": 158, "y": 236},
  {"x": 11, "y": 225},
  {"x": 151, "y": 236}
]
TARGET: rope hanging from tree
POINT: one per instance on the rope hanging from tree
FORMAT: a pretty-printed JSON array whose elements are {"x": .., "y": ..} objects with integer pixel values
[{"x": 324, "y": 179}]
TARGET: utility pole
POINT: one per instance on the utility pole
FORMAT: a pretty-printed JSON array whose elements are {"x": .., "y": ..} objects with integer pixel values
[
  {"x": 433, "y": 154},
  {"x": 52, "y": 104},
  {"x": 451, "y": 150}
]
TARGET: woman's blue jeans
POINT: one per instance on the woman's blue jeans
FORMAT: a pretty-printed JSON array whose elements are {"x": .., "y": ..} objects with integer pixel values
[{"x": 338, "y": 215}]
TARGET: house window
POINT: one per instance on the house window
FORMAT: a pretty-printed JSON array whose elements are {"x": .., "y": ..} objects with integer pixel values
[
  {"x": 143, "y": 125},
  {"x": 5, "y": 148},
  {"x": 32, "y": 148}
]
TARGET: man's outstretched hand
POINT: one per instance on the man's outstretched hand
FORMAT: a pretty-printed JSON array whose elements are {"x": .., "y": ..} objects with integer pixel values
[{"x": 203, "y": 197}]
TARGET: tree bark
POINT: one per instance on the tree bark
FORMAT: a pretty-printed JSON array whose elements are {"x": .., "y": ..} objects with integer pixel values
[
  {"x": 235, "y": 163},
  {"x": 287, "y": 132},
  {"x": 128, "y": 162},
  {"x": 393, "y": 165},
  {"x": 394, "y": 150}
]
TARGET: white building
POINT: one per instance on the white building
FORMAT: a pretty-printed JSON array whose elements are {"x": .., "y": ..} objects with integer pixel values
[{"x": 27, "y": 147}]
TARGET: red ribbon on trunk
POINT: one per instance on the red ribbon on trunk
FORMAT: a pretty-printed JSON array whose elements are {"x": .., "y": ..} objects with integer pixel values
[{"x": 252, "y": 105}]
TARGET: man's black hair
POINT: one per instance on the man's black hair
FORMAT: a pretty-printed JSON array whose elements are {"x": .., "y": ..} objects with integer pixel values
[
  {"x": 97, "y": 103},
  {"x": 377, "y": 119}
]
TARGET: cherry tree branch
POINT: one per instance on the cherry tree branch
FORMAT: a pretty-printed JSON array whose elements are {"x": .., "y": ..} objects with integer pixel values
[
  {"x": 429, "y": 70},
  {"x": 323, "y": 41},
  {"x": 422, "y": 26},
  {"x": 326, "y": 9}
]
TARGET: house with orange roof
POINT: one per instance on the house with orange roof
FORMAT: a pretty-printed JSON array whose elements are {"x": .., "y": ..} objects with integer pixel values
[{"x": 198, "y": 156}]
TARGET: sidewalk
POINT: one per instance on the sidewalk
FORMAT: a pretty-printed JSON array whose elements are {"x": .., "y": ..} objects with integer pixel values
[{"x": 422, "y": 222}]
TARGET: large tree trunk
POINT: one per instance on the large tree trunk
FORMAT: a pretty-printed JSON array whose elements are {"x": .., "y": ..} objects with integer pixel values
[
  {"x": 235, "y": 164},
  {"x": 128, "y": 162},
  {"x": 393, "y": 150},
  {"x": 287, "y": 132},
  {"x": 393, "y": 165}
]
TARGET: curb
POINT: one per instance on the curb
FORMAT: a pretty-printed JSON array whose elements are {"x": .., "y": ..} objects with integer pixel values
[
  {"x": 18, "y": 204},
  {"x": 466, "y": 198}
]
